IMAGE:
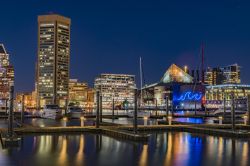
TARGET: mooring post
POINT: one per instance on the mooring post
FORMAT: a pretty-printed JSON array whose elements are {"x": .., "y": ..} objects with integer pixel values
[
  {"x": 233, "y": 112},
  {"x": 224, "y": 107},
  {"x": 100, "y": 108},
  {"x": 166, "y": 109},
  {"x": 6, "y": 106},
  {"x": 97, "y": 108},
  {"x": 10, "y": 126},
  {"x": 66, "y": 107},
  {"x": 113, "y": 109},
  {"x": 172, "y": 111},
  {"x": 22, "y": 111},
  {"x": 135, "y": 111},
  {"x": 156, "y": 105},
  {"x": 195, "y": 108},
  {"x": 248, "y": 106}
]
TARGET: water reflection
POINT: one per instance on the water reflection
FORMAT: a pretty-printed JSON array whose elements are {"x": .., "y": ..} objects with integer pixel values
[
  {"x": 144, "y": 156},
  {"x": 62, "y": 157},
  {"x": 168, "y": 148},
  {"x": 80, "y": 153}
]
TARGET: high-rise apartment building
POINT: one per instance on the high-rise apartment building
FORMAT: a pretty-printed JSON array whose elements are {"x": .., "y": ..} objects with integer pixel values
[
  {"x": 117, "y": 87},
  {"x": 6, "y": 77},
  {"x": 53, "y": 59},
  {"x": 223, "y": 75}
]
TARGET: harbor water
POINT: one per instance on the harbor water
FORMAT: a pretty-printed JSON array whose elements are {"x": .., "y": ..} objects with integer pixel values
[{"x": 164, "y": 148}]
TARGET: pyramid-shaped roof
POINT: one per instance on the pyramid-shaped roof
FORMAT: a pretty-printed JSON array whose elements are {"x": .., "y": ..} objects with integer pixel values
[{"x": 176, "y": 74}]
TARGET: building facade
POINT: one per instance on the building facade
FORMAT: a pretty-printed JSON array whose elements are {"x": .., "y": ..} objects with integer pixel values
[
  {"x": 178, "y": 88},
  {"x": 217, "y": 94},
  {"x": 117, "y": 87},
  {"x": 28, "y": 99},
  {"x": 53, "y": 59},
  {"x": 6, "y": 77},
  {"x": 80, "y": 94},
  {"x": 223, "y": 75}
]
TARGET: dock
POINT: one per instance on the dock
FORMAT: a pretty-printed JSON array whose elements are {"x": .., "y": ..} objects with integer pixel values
[
  {"x": 109, "y": 131},
  {"x": 126, "y": 132}
]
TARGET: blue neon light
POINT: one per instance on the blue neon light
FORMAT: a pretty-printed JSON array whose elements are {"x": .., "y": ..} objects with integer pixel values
[{"x": 190, "y": 96}]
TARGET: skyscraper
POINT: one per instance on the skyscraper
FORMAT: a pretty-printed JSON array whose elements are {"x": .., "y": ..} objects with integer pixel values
[
  {"x": 6, "y": 76},
  {"x": 53, "y": 59}
]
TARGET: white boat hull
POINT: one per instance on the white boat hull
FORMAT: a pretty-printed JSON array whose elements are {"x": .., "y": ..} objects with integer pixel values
[
  {"x": 140, "y": 114},
  {"x": 237, "y": 112},
  {"x": 76, "y": 114},
  {"x": 51, "y": 115}
]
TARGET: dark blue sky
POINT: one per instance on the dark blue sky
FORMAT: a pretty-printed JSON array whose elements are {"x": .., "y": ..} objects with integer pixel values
[{"x": 110, "y": 36}]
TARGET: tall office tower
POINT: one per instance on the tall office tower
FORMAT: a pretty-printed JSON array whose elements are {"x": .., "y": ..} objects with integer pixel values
[
  {"x": 53, "y": 59},
  {"x": 117, "y": 87},
  {"x": 6, "y": 77}
]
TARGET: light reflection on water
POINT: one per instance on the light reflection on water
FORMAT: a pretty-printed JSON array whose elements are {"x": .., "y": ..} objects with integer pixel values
[{"x": 173, "y": 148}]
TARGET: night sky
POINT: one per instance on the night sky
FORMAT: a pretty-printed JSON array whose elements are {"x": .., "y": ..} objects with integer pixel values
[{"x": 110, "y": 36}]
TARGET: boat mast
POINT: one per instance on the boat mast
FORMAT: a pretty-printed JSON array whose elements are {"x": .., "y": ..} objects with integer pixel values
[
  {"x": 202, "y": 62},
  {"x": 141, "y": 80}
]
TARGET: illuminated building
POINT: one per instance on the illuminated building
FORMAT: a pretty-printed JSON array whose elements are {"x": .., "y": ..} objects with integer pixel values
[
  {"x": 215, "y": 94},
  {"x": 223, "y": 75},
  {"x": 80, "y": 94},
  {"x": 176, "y": 85},
  {"x": 176, "y": 74},
  {"x": 90, "y": 99},
  {"x": 119, "y": 87},
  {"x": 6, "y": 77},
  {"x": 28, "y": 99},
  {"x": 53, "y": 59},
  {"x": 231, "y": 74},
  {"x": 209, "y": 77}
]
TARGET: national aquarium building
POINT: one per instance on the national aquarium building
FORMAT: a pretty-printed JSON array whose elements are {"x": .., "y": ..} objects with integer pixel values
[{"x": 177, "y": 88}]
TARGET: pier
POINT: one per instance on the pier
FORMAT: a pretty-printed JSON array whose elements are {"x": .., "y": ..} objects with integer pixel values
[{"x": 126, "y": 132}]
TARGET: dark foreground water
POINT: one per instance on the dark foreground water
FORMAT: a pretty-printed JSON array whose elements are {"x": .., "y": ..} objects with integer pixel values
[{"x": 173, "y": 148}]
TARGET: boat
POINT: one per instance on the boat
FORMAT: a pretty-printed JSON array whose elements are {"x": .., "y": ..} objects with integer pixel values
[
  {"x": 220, "y": 112},
  {"x": 75, "y": 112},
  {"x": 51, "y": 111},
  {"x": 140, "y": 114}
]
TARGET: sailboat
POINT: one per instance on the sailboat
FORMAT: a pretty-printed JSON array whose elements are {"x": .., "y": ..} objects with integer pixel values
[{"x": 140, "y": 112}]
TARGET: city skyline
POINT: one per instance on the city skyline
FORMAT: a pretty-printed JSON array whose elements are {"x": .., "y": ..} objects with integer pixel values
[
  {"x": 128, "y": 82},
  {"x": 146, "y": 29}
]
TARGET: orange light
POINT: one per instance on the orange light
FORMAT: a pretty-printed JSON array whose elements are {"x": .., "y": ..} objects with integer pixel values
[{"x": 65, "y": 118}]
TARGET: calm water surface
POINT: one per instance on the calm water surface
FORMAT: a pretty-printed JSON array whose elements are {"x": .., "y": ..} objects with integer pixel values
[{"x": 172, "y": 148}]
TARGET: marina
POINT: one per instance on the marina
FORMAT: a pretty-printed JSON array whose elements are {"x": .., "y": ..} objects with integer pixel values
[{"x": 133, "y": 83}]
